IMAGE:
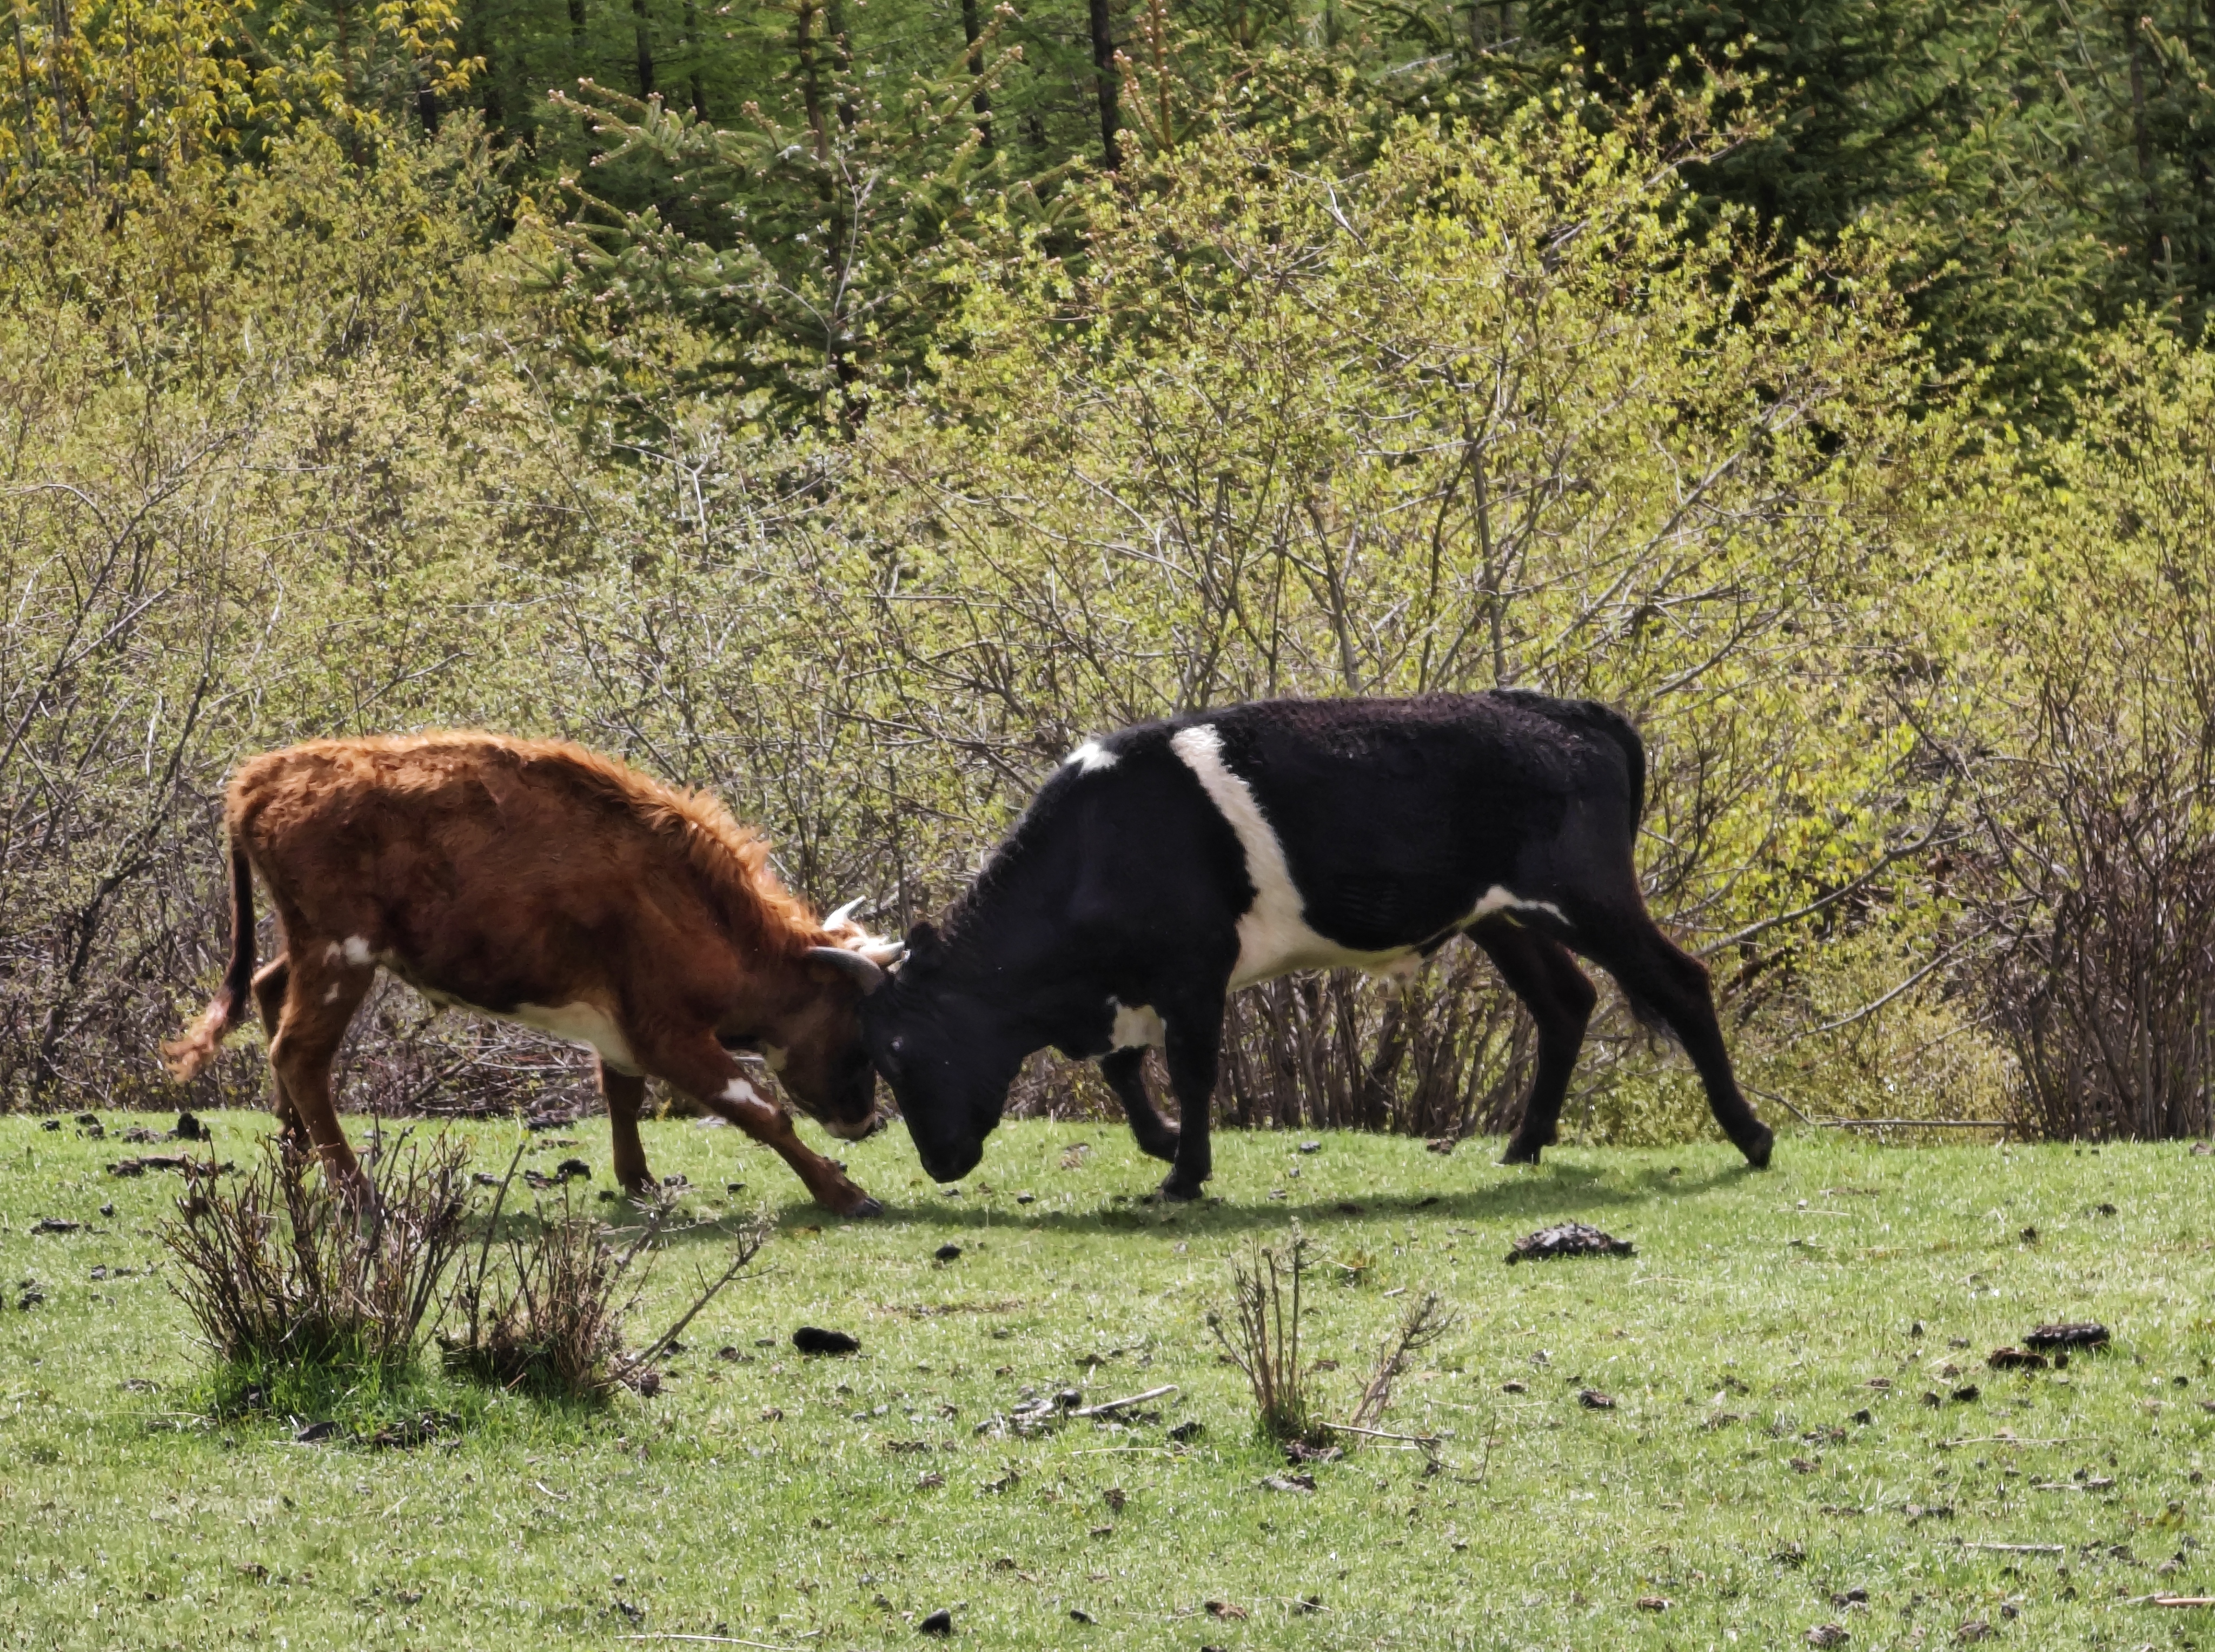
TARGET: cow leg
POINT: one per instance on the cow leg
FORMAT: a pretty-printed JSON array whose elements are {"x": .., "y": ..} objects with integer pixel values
[
  {"x": 1125, "y": 1073},
  {"x": 705, "y": 1071},
  {"x": 1673, "y": 984},
  {"x": 321, "y": 996},
  {"x": 1193, "y": 1046},
  {"x": 1543, "y": 974},
  {"x": 270, "y": 983},
  {"x": 625, "y": 1093}
]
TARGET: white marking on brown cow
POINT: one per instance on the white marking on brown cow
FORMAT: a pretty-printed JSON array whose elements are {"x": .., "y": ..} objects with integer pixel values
[
  {"x": 356, "y": 951},
  {"x": 579, "y": 1023},
  {"x": 1090, "y": 758},
  {"x": 1137, "y": 1027},
  {"x": 331, "y": 994},
  {"x": 739, "y": 1092}
]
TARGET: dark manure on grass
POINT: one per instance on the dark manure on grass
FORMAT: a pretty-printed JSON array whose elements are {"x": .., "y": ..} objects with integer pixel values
[
  {"x": 1568, "y": 1239},
  {"x": 2084, "y": 1333}
]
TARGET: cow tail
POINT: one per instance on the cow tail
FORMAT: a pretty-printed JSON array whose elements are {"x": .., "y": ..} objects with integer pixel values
[
  {"x": 188, "y": 1055},
  {"x": 1619, "y": 729}
]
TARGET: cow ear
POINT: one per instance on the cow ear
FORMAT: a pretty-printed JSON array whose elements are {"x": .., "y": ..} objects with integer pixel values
[{"x": 923, "y": 945}]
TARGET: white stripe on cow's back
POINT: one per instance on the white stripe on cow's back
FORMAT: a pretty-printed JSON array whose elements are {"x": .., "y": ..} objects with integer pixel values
[
  {"x": 1090, "y": 758},
  {"x": 1275, "y": 937}
]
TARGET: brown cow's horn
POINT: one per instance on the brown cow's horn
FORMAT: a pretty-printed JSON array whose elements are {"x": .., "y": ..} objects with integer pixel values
[
  {"x": 865, "y": 975},
  {"x": 845, "y": 914}
]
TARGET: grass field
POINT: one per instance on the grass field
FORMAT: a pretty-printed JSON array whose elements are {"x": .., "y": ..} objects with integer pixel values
[{"x": 834, "y": 1503}]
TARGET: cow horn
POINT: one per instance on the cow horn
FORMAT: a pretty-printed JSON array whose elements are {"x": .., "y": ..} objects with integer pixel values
[
  {"x": 863, "y": 972},
  {"x": 887, "y": 953},
  {"x": 845, "y": 914}
]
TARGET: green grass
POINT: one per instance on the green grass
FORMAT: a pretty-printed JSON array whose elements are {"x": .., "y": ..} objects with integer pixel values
[{"x": 127, "y": 1518}]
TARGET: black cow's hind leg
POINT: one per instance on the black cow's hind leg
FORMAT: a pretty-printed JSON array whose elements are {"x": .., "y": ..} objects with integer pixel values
[
  {"x": 1125, "y": 1073},
  {"x": 1654, "y": 970},
  {"x": 1193, "y": 1048},
  {"x": 1543, "y": 975}
]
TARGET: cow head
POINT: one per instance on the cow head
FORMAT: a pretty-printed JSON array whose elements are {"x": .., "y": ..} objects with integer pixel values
[
  {"x": 949, "y": 1050},
  {"x": 815, "y": 1045}
]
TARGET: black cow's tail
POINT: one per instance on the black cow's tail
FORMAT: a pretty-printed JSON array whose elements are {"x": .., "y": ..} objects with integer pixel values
[
  {"x": 187, "y": 1055},
  {"x": 1618, "y": 727}
]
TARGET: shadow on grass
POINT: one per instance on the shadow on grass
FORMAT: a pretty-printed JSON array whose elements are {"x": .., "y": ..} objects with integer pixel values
[{"x": 1551, "y": 1192}]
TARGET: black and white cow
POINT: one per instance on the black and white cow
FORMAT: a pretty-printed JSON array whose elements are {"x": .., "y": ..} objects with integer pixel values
[{"x": 1163, "y": 868}]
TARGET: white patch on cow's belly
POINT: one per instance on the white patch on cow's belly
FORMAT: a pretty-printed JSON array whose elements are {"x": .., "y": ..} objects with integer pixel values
[
  {"x": 1137, "y": 1027},
  {"x": 1500, "y": 899},
  {"x": 579, "y": 1023},
  {"x": 740, "y": 1093},
  {"x": 1273, "y": 936},
  {"x": 1090, "y": 758}
]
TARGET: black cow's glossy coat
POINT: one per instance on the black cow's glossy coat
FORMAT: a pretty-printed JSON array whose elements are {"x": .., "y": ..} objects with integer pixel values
[{"x": 1125, "y": 882}]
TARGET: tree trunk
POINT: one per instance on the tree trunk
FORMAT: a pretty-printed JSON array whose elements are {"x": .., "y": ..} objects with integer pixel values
[
  {"x": 645, "y": 49},
  {"x": 692, "y": 45},
  {"x": 982, "y": 103},
  {"x": 1105, "y": 79}
]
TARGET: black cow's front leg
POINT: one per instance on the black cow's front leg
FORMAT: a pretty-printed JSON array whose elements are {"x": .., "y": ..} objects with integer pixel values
[
  {"x": 1193, "y": 1047},
  {"x": 1541, "y": 973},
  {"x": 1125, "y": 1073}
]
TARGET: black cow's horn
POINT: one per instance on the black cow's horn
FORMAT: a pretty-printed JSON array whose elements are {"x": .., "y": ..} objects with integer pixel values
[{"x": 865, "y": 975}]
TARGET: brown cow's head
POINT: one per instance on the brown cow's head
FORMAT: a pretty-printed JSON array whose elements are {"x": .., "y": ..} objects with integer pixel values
[{"x": 815, "y": 1046}]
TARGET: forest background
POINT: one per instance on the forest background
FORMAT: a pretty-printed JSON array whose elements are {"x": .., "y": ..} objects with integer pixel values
[{"x": 849, "y": 405}]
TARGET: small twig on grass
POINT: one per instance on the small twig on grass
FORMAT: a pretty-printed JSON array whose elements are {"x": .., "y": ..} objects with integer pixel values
[
  {"x": 1427, "y": 1442},
  {"x": 2021, "y": 1548},
  {"x": 1106, "y": 1406},
  {"x": 714, "y": 1640},
  {"x": 750, "y": 1241},
  {"x": 2174, "y": 1600}
]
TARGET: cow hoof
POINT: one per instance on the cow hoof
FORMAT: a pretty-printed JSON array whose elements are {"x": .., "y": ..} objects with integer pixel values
[
  {"x": 868, "y": 1207},
  {"x": 1181, "y": 1193},
  {"x": 1519, "y": 1154},
  {"x": 1164, "y": 1149}
]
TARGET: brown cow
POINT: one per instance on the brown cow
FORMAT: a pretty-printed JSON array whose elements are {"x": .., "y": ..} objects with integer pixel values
[{"x": 541, "y": 883}]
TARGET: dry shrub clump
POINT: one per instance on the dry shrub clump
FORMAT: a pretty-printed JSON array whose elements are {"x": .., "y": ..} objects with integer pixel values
[
  {"x": 1262, "y": 1337},
  {"x": 279, "y": 1271},
  {"x": 543, "y": 1310}
]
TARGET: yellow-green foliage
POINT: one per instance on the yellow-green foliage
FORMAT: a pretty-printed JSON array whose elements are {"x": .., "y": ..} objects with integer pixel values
[{"x": 311, "y": 448}]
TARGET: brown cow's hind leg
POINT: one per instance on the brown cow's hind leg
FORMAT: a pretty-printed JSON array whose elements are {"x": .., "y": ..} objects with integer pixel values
[
  {"x": 270, "y": 983},
  {"x": 321, "y": 993},
  {"x": 625, "y": 1092},
  {"x": 703, "y": 1070}
]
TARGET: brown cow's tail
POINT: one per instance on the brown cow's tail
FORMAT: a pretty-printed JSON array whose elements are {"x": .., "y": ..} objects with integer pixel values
[{"x": 187, "y": 1056}]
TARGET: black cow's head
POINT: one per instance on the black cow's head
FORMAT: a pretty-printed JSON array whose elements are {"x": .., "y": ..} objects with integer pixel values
[{"x": 949, "y": 1050}]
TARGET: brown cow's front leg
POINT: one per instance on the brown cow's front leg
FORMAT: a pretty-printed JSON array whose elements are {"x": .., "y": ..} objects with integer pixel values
[
  {"x": 625, "y": 1092},
  {"x": 705, "y": 1071}
]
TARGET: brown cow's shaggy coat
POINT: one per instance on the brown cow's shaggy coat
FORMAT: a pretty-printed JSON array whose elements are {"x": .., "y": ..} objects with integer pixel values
[{"x": 543, "y": 884}]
